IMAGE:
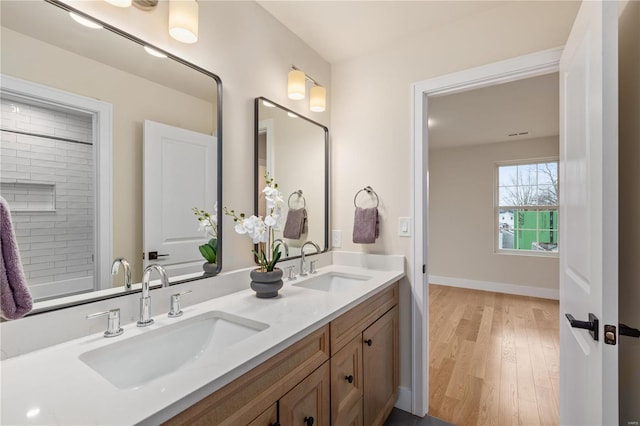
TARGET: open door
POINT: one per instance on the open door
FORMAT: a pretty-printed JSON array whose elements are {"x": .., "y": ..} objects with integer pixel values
[
  {"x": 589, "y": 217},
  {"x": 179, "y": 174}
]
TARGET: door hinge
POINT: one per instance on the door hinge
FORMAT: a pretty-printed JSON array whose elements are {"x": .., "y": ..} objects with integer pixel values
[{"x": 424, "y": 268}]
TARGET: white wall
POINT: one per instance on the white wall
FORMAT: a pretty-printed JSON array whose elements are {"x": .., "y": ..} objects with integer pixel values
[
  {"x": 371, "y": 113},
  {"x": 629, "y": 273},
  {"x": 251, "y": 52},
  {"x": 462, "y": 216}
]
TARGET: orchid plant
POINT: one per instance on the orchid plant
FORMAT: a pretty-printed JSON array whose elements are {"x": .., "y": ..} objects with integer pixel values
[
  {"x": 261, "y": 230},
  {"x": 208, "y": 225}
]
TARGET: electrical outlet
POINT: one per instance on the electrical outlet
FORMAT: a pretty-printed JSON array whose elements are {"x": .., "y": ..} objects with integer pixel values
[
  {"x": 404, "y": 226},
  {"x": 336, "y": 238}
]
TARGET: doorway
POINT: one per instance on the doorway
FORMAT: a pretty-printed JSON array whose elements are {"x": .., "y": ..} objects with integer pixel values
[{"x": 493, "y": 183}]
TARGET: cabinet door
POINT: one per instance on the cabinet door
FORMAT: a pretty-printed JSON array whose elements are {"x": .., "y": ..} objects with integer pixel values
[
  {"x": 380, "y": 368},
  {"x": 268, "y": 418},
  {"x": 346, "y": 384},
  {"x": 307, "y": 404}
]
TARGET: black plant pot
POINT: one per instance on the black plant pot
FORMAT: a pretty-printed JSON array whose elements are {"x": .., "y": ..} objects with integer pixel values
[{"x": 266, "y": 284}]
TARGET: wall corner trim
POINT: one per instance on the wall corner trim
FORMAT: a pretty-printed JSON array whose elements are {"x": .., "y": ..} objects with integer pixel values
[
  {"x": 520, "y": 290},
  {"x": 404, "y": 399}
]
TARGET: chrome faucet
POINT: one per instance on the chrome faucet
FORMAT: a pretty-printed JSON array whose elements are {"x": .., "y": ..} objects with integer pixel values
[
  {"x": 145, "y": 298},
  {"x": 286, "y": 247},
  {"x": 303, "y": 272},
  {"x": 115, "y": 268}
]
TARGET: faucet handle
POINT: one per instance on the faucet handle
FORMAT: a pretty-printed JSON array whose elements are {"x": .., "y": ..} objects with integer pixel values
[
  {"x": 113, "y": 324},
  {"x": 175, "y": 311},
  {"x": 292, "y": 272},
  {"x": 312, "y": 266}
]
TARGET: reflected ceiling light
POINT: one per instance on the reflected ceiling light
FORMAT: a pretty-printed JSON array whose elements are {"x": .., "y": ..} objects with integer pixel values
[
  {"x": 297, "y": 87},
  {"x": 84, "y": 21},
  {"x": 183, "y": 20},
  {"x": 119, "y": 3},
  {"x": 296, "y": 84},
  {"x": 268, "y": 104},
  {"x": 292, "y": 115},
  {"x": 317, "y": 99},
  {"x": 153, "y": 52}
]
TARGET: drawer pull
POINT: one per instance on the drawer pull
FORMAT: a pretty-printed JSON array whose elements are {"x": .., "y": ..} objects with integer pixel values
[
  {"x": 349, "y": 378},
  {"x": 369, "y": 342},
  {"x": 308, "y": 421}
]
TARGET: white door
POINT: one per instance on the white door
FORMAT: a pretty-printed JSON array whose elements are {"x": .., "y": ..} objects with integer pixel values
[
  {"x": 589, "y": 215},
  {"x": 179, "y": 174}
]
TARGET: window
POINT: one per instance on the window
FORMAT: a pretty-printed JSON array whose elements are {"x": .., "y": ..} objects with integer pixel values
[{"x": 527, "y": 207}]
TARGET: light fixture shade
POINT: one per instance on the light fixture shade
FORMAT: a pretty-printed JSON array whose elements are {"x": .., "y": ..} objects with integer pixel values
[
  {"x": 296, "y": 86},
  {"x": 317, "y": 99},
  {"x": 183, "y": 20},
  {"x": 119, "y": 3}
]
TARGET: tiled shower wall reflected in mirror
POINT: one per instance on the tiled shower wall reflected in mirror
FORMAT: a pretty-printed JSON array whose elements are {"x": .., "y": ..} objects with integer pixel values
[{"x": 46, "y": 173}]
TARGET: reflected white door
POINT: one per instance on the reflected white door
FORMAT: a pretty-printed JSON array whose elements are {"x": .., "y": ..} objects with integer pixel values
[
  {"x": 589, "y": 215},
  {"x": 179, "y": 174}
]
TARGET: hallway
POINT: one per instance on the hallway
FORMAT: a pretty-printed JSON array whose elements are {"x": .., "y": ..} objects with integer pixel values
[{"x": 493, "y": 358}]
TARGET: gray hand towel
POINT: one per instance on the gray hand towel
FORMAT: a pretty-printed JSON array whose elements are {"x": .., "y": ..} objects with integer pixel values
[
  {"x": 15, "y": 298},
  {"x": 365, "y": 225},
  {"x": 296, "y": 224}
]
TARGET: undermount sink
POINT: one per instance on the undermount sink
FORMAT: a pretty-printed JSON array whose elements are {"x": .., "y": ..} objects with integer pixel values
[
  {"x": 334, "y": 281},
  {"x": 132, "y": 363}
]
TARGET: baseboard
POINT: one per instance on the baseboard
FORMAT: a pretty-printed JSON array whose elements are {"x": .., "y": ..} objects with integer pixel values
[
  {"x": 404, "y": 399},
  {"x": 520, "y": 290}
]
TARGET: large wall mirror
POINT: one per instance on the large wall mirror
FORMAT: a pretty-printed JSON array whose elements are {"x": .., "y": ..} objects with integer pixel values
[
  {"x": 107, "y": 145},
  {"x": 295, "y": 151}
]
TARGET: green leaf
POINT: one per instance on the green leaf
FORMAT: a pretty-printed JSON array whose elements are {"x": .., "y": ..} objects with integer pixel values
[{"x": 208, "y": 253}]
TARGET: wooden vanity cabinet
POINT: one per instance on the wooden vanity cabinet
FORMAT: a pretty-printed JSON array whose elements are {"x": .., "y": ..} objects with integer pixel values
[
  {"x": 371, "y": 357},
  {"x": 268, "y": 418},
  {"x": 308, "y": 403},
  {"x": 345, "y": 373},
  {"x": 380, "y": 368}
]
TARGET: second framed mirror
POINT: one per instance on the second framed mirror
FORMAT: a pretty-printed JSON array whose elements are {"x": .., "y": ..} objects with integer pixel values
[{"x": 294, "y": 151}]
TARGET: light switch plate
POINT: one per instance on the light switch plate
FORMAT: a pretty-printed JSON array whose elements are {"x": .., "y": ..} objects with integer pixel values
[
  {"x": 404, "y": 226},
  {"x": 336, "y": 238}
]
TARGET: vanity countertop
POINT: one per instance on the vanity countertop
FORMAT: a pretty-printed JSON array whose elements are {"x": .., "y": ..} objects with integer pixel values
[{"x": 52, "y": 386}]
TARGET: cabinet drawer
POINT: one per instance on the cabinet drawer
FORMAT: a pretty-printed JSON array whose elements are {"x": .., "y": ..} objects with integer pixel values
[
  {"x": 352, "y": 323},
  {"x": 247, "y": 397},
  {"x": 308, "y": 403},
  {"x": 346, "y": 382}
]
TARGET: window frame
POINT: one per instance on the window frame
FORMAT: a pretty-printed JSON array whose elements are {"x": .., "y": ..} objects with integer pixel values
[{"x": 498, "y": 207}]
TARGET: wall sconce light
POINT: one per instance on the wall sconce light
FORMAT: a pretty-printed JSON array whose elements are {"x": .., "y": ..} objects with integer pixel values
[
  {"x": 297, "y": 84},
  {"x": 183, "y": 20},
  {"x": 183, "y": 16},
  {"x": 297, "y": 88}
]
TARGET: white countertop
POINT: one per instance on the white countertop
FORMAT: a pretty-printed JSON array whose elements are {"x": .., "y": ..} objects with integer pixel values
[{"x": 52, "y": 386}]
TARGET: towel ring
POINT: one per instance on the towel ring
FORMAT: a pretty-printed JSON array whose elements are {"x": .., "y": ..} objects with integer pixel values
[
  {"x": 369, "y": 191},
  {"x": 299, "y": 194}
]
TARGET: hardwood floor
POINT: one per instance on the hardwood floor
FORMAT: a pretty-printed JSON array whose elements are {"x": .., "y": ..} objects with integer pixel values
[{"x": 493, "y": 358}]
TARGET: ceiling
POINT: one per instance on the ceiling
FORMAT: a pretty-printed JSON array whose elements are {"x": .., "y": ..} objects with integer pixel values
[
  {"x": 491, "y": 114},
  {"x": 342, "y": 30}
]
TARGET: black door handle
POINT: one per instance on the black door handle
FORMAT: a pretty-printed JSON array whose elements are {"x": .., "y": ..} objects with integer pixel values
[
  {"x": 153, "y": 255},
  {"x": 308, "y": 421},
  {"x": 591, "y": 325},
  {"x": 625, "y": 330},
  {"x": 369, "y": 342}
]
